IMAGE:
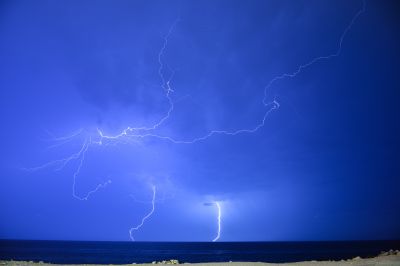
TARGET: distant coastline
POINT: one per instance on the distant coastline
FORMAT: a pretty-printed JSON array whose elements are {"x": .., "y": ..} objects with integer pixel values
[
  {"x": 391, "y": 258},
  {"x": 27, "y": 252}
]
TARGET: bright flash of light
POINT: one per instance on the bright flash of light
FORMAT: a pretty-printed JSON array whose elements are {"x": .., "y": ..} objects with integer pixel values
[
  {"x": 218, "y": 221},
  {"x": 145, "y": 217}
]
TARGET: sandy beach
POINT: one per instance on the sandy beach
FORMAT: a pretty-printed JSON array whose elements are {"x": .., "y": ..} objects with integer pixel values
[{"x": 383, "y": 260}]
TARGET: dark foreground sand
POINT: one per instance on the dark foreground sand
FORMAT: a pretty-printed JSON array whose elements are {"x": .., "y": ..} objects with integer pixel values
[{"x": 385, "y": 260}]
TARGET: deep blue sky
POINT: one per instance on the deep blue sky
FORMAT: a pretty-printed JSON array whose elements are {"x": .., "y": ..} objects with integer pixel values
[{"x": 325, "y": 166}]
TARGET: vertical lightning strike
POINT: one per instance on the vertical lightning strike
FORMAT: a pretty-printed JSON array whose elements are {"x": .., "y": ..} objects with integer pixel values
[
  {"x": 85, "y": 148},
  {"x": 219, "y": 221},
  {"x": 146, "y": 216}
]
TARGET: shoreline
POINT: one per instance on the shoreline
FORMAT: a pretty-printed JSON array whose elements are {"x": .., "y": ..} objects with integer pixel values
[{"x": 385, "y": 259}]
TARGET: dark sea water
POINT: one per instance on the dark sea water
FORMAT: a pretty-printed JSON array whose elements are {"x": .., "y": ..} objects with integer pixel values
[{"x": 139, "y": 252}]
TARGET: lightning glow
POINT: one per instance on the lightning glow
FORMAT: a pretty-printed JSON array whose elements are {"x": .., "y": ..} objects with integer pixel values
[
  {"x": 132, "y": 133},
  {"x": 153, "y": 202},
  {"x": 218, "y": 221}
]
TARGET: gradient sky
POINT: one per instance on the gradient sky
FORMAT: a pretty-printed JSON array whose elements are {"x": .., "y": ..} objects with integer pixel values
[{"x": 325, "y": 166}]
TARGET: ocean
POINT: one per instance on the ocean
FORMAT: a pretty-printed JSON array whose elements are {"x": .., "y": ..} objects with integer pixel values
[{"x": 71, "y": 252}]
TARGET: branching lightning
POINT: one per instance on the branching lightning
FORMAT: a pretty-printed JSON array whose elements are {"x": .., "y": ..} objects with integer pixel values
[
  {"x": 80, "y": 158},
  {"x": 131, "y": 133},
  {"x": 270, "y": 106},
  {"x": 153, "y": 202},
  {"x": 218, "y": 221}
]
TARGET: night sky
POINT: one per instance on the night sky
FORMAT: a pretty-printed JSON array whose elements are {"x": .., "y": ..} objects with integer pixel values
[{"x": 325, "y": 165}]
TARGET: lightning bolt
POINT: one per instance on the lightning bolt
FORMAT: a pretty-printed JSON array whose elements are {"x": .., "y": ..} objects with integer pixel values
[
  {"x": 218, "y": 221},
  {"x": 76, "y": 173},
  {"x": 62, "y": 163},
  {"x": 270, "y": 105},
  {"x": 137, "y": 133},
  {"x": 146, "y": 216}
]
